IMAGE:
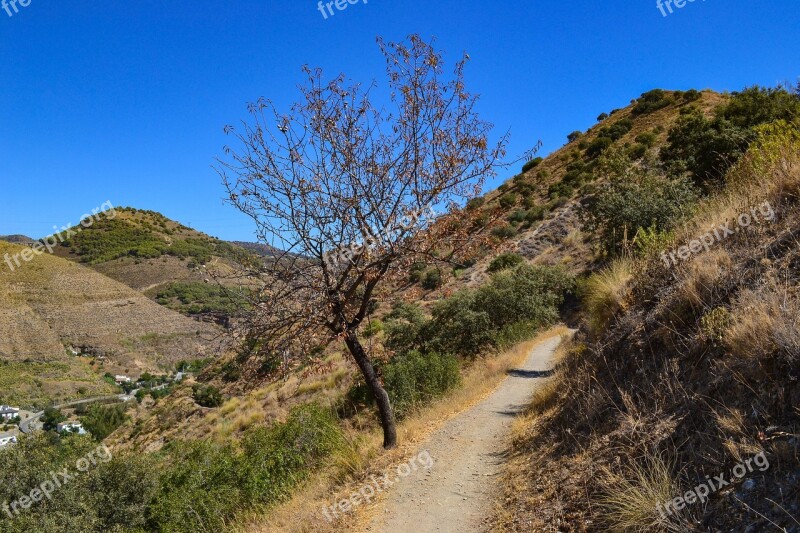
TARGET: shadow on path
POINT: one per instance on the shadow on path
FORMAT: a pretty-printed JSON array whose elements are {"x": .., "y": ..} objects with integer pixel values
[{"x": 530, "y": 373}]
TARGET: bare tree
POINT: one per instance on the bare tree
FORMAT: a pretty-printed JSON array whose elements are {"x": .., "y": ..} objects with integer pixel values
[{"x": 343, "y": 190}]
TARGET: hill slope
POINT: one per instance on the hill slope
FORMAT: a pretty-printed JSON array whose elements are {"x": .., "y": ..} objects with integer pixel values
[{"x": 49, "y": 304}]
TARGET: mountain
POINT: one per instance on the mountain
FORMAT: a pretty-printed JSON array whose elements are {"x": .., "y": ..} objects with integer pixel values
[{"x": 17, "y": 239}]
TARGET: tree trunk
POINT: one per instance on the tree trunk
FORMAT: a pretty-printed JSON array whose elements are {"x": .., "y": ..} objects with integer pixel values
[{"x": 381, "y": 398}]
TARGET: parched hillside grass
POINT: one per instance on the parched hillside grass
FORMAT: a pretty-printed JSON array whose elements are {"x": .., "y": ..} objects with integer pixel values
[{"x": 697, "y": 374}]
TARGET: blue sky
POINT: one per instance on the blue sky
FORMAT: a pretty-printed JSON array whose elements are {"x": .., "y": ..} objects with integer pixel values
[{"x": 126, "y": 101}]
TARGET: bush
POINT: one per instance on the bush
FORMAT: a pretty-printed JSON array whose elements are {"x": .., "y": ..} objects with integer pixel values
[
  {"x": 432, "y": 279},
  {"x": 531, "y": 164},
  {"x": 706, "y": 148},
  {"x": 52, "y": 418},
  {"x": 574, "y": 136},
  {"x": 471, "y": 320},
  {"x": 691, "y": 95},
  {"x": 598, "y": 146},
  {"x": 416, "y": 272},
  {"x": 206, "y": 395},
  {"x": 373, "y": 328},
  {"x": 402, "y": 326},
  {"x": 475, "y": 203},
  {"x": 504, "y": 232},
  {"x": 561, "y": 190},
  {"x": 508, "y": 200},
  {"x": 535, "y": 214},
  {"x": 602, "y": 116},
  {"x": 650, "y": 102},
  {"x": 517, "y": 216},
  {"x": 414, "y": 379},
  {"x": 633, "y": 199},
  {"x": 637, "y": 151},
  {"x": 206, "y": 484},
  {"x": 504, "y": 262},
  {"x": 647, "y": 138},
  {"x": 102, "y": 420},
  {"x": 526, "y": 294}
]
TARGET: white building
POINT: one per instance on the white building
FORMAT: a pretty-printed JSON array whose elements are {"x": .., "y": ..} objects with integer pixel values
[
  {"x": 7, "y": 412},
  {"x": 5, "y": 441},
  {"x": 71, "y": 427},
  {"x": 122, "y": 379}
]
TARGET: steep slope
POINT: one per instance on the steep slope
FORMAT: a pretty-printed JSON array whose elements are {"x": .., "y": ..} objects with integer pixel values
[
  {"x": 49, "y": 305},
  {"x": 677, "y": 409},
  {"x": 536, "y": 213}
]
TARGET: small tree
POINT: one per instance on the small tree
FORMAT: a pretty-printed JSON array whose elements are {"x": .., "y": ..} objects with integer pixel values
[
  {"x": 52, "y": 418},
  {"x": 345, "y": 189}
]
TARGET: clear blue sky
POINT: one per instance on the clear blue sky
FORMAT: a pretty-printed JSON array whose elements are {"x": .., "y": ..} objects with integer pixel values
[{"x": 126, "y": 101}]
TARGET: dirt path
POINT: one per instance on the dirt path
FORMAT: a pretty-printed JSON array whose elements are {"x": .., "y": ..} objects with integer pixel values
[{"x": 456, "y": 494}]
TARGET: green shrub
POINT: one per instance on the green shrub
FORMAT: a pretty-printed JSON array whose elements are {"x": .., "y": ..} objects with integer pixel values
[
  {"x": 102, "y": 420},
  {"x": 403, "y": 326},
  {"x": 505, "y": 261},
  {"x": 634, "y": 198},
  {"x": 471, "y": 320},
  {"x": 197, "y": 297},
  {"x": 413, "y": 380},
  {"x": 602, "y": 116},
  {"x": 598, "y": 146},
  {"x": 528, "y": 293},
  {"x": 647, "y": 138},
  {"x": 508, "y": 200},
  {"x": 691, "y": 95},
  {"x": 706, "y": 148},
  {"x": 416, "y": 272},
  {"x": 432, "y": 279},
  {"x": 517, "y": 216},
  {"x": 535, "y": 214},
  {"x": 561, "y": 190},
  {"x": 373, "y": 328},
  {"x": 504, "y": 232},
  {"x": 651, "y": 101},
  {"x": 574, "y": 136},
  {"x": 531, "y": 164},
  {"x": 475, "y": 203},
  {"x": 637, "y": 151},
  {"x": 52, "y": 418},
  {"x": 207, "y": 395}
]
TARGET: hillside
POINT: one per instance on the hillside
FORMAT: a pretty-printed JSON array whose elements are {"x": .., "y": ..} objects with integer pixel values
[
  {"x": 687, "y": 365},
  {"x": 50, "y": 305},
  {"x": 535, "y": 214},
  {"x": 177, "y": 266}
]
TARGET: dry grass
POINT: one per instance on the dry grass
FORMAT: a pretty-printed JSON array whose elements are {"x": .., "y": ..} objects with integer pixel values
[
  {"x": 701, "y": 275},
  {"x": 765, "y": 323},
  {"x": 607, "y": 293},
  {"x": 630, "y": 497}
]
